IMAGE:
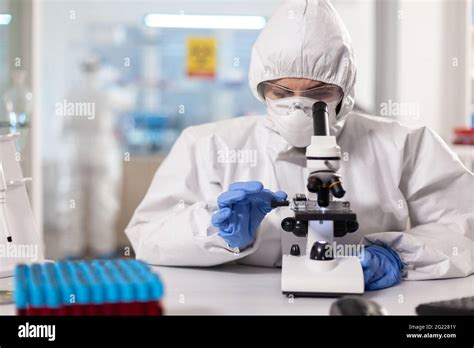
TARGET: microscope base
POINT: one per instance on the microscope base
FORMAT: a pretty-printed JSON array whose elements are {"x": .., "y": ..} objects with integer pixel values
[{"x": 302, "y": 277}]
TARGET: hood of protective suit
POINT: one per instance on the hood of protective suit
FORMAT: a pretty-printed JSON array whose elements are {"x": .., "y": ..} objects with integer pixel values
[{"x": 305, "y": 39}]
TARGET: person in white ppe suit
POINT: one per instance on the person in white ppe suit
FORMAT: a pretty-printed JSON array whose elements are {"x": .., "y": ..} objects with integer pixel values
[
  {"x": 90, "y": 164},
  {"x": 413, "y": 198}
]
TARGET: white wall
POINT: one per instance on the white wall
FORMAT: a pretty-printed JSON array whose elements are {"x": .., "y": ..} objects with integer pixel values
[
  {"x": 359, "y": 18},
  {"x": 420, "y": 60},
  {"x": 430, "y": 42}
]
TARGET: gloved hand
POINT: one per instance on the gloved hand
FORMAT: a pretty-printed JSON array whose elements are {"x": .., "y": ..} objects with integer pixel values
[
  {"x": 382, "y": 267},
  {"x": 241, "y": 210}
]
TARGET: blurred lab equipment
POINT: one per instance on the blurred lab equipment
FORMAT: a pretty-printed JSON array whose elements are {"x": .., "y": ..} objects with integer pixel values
[
  {"x": 147, "y": 133},
  {"x": 464, "y": 136},
  {"x": 90, "y": 163},
  {"x": 19, "y": 239},
  {"x": 151, "y": 127},
  {"x": 458, "y": 306},
  {"x": 320, "y": 272},
  {"x": 6, "y": 297},
  {"x": 102, "y": 287},
  {"x": 351, "y": 305},
  {"x": 18, "y": 101},
  {"x": 463, "y": 146},
  {"x": 182, "y": 77},
  {"x": 3, "y": 201}
]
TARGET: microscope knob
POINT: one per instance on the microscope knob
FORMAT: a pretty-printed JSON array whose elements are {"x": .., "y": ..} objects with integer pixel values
[
  {"x": 314, "y": 184},
  {"x": 340, "y": 228},
  {"x": 352, "y": 226},
  {"x": 288, "y": 224},
  {"x": 343, "y": 227},
  {"x": 295, "y": 250},
  {"x": 301, "y": 228},
  {"x": 321, "y": 251}
]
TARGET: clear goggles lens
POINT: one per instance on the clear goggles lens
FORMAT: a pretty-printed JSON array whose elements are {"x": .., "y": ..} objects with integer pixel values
[
  {"x": 328, "y": 93},
  {"x": 287, "y": 105}
]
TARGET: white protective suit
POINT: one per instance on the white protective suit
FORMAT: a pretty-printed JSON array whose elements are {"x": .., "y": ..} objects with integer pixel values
[
  {"x": 90, "y": 170},
  {"x": 409, "y": 191}
]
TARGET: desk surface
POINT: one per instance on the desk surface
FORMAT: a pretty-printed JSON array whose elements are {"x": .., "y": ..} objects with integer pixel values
[{"x": 237, "y": 289}]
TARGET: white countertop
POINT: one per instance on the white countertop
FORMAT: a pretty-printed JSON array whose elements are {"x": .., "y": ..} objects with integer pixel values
[{"x": 237, "y": 289}]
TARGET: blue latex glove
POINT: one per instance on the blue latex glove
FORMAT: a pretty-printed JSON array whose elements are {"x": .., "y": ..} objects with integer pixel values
[
  {"x": 382, "y": 267},
  {"x": 241, "y": 210}
]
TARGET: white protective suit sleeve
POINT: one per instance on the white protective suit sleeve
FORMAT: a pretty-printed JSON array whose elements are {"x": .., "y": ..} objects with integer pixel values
[
  {"x": 172, "y": 225},
  {"x": 439, "y": 192}
]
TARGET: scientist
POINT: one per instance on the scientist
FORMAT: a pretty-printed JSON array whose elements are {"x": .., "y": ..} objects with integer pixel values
[{"x": 413, "y": 198}]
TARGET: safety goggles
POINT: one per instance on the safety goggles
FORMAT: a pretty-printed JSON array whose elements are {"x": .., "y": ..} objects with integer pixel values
[{"x": 326, "y": 93}]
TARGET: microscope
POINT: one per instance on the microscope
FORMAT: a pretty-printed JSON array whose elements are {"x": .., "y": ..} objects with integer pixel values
[{"x": 320, "y": 271}]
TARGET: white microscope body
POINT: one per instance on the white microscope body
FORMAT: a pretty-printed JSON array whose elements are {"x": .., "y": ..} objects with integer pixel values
[{"x": 319, "y": 272}]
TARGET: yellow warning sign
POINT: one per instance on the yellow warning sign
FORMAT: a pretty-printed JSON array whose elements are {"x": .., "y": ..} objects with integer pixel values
[{"x": 201, "y": 58}]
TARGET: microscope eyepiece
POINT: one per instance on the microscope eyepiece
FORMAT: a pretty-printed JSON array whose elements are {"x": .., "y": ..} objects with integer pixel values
[
  {"x": 320, "y": 118},
  {"x": 320, "y": 105}
]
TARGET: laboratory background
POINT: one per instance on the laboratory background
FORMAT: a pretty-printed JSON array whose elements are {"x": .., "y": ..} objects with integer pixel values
[{"x": 99, "y": 90}]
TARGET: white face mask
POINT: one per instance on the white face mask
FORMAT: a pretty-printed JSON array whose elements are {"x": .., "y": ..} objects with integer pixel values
[{"x": 292, "y": 118}]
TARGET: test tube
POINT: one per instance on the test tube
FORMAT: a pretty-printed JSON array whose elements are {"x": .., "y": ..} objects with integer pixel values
[{"x": 21, "y": 289}]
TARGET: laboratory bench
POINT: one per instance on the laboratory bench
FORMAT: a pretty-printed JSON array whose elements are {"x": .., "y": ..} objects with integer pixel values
[{"x": 240, "y": 290}]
